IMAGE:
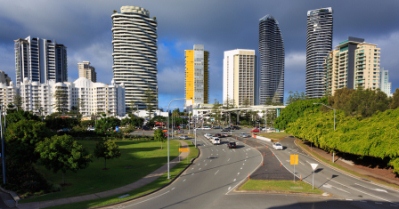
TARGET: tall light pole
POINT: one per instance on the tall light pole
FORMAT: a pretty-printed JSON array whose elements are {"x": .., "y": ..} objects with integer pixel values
[
  {"x": 168, "y": 135},
  {"x": 334, "y": 121},
  {"x": 3, "y": 156}
]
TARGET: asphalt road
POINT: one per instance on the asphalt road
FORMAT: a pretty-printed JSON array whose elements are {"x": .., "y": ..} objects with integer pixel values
[
  {"x": 340, "y": 185},
  {"x": 214, "y": 174},
  {"x": 210, "y": 181}
]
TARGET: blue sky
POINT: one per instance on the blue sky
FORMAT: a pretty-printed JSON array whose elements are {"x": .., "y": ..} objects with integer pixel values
[{"x": 220, "y": 25}]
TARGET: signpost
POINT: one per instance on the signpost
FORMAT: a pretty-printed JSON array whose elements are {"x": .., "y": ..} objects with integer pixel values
[
  {"x": 294, "y": 161},
  {"x": 314, "y": 166}
]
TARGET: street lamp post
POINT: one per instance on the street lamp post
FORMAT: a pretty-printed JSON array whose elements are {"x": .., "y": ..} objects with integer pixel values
[
  {"x": 334, "y": 121},
  {"x": 3, "y": 156},
  {"x": 168, "y": 135}
]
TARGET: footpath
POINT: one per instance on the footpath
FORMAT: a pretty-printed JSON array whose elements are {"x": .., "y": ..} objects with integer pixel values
[{"x": 121, "y": 190}]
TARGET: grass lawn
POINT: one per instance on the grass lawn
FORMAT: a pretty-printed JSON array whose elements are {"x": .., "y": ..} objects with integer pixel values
[
  {"x": 138, "y": 159},
  {"x": 157, "y": 184},
  {"x": 279, "y": 186}
]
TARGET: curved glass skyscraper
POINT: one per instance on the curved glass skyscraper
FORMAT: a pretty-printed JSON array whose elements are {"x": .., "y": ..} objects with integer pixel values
[
  {"x": 134, "y": 40},
  {"x": 318, "y": 45},
  {"x": 271, "y": 50}
]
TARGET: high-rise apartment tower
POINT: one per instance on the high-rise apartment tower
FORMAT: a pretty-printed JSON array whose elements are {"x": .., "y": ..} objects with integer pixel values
[
  {"x": 40, "y": 60},
  {"x": 134, "y": 40},
  {"x": 239, "y": 77},
  {"x": 352, "y": 64},
  {"x": 318, "y": 45},
  {"x": 197, "y": 77},
  {"x": 271, "y": 52},
  {"x": 87, "y": 71}
]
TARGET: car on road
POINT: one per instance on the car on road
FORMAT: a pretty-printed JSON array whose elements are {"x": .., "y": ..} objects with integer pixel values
[
  {"x": 245, "y": 135},
  {"x": 183, "y": 137},
  {"x": 225, "y": 134},
  {"x": 206, "y": 128},
  {"x": 217, "y": 127},
  {"x": 255, "y": 130},
  {"x": 232, "y": 145},
  {"x": 208, "y": 135},
  {"x": 218, "y": 135},
  {"x": 277, "y": 146},
  {"x": 215, "y": 140}
]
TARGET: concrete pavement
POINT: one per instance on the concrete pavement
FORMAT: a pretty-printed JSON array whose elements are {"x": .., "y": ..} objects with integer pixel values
[{"x": 121, "y": 190}]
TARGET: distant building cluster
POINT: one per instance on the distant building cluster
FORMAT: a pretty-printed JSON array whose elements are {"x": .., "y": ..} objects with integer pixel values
[{"x": 249, "y": 79}]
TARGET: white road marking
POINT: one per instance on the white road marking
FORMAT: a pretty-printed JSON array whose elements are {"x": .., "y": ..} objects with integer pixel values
[
  {"x": 228, "y": 160},
  {"x": 381, "y": 190},
  {"x": 223, "y": 150},
  {"x": 229, "y": 188},
  {"x": 206, "y": 164},
  {"x": 152, "y": 198},
  {"x": 199, "y": 169},
  {"x": 301, "y": 163},
  {"x": 238, "y": 173},
  {"x": 173, "y": 188},
  {"x": 362, "y": 191},
  {"x": 234, "y": 180},
  {"x": 241, "y": 168},
  {"x": 216, "y": 172},
  {"x": 192, "y": 173},
  {"x": 184, "y": 180}
]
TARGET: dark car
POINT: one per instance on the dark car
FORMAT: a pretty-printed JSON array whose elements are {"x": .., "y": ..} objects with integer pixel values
[
  {"x": 218, "y": 135},
  {"x": 232, "y": 145},
  {"x": 226, "y": 129},
  {"x": 217, "y": 127},
  {"x": 63, "y": 130},
  {"x": 235, "y": 128}
]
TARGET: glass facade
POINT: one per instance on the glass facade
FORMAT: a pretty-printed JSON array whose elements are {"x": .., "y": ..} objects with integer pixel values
[{"x": 271, "y": 73}]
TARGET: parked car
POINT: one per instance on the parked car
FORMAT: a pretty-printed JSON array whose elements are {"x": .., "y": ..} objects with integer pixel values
[
  {"x": 255, "y": 130},
  {"x": 245, "y": 135},
  {"x": 206, "y": 128},
  {"x": 183, "y": 137},
  {"x": 277, "y": 146},
  {"x": 63, "y": 130},
  {"x": 217, "y": 127},
  {"x": 91, "y": 129},
  {"x": 232, "y": 145}
]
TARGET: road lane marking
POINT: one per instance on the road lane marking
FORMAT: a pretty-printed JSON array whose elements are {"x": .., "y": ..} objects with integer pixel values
[
  {"x": 234, "y": 180},
  {"x": 381, "y": 190},
  {"x": 184, "y": 180},
  {"x": 362, "y": 191},
  {"x": 217, "y": 172},
  {"x": 199, "y": 169},
  {"x": 238, "y": 173},
  {"x": 376, "y": 189},
  {"x": 301, "y": 163},
  {"x": 228, "y": 189},
  {"x": 228, "y": 160},
  {"x": 241, "y": 168},
  {"x": 206, "y": 164},
  {"x": 173, "y": 188},
  {"x": 151, "y": 198}
]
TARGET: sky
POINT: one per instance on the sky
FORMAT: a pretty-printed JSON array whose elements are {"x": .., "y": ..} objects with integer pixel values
[{"x": 84, "y": 27}]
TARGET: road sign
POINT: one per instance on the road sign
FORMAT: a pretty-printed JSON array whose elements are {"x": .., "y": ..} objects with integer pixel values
[
  {"x": 183, "y": 149},
  {"x": 294, "y": 159}
]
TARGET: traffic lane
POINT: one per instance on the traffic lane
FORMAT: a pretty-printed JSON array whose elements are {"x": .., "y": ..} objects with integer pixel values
[
  {"x": 334, "y": 182},
  {"x": 209, "y": 178},
  {"x": 287, "y": 201}
]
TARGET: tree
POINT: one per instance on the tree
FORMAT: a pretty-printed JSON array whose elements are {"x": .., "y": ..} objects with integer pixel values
[
  {"x": 159, "y": 136},
  {"x": 107, "y": 149},
  {"x": 216, "y": 111},
  {"x": 295, "y": 96},
  {"x": 149, "y": 101},
  {"x": 18, "y": 101},
  {"x": 63, "y": 153},
  {"x": 395, "y": 100}
]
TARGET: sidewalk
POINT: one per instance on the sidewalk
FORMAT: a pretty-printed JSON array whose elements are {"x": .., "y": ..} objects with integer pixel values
[{"x": 121, "y": 190}]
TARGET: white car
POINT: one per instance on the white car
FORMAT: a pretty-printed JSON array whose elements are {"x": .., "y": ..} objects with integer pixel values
[
  {"x": 215, "y": 140},
  {"x": 206, "y": 128},
  {"x": 183, "y": 137},
  {"x": 208, "y": 135},
  {"x": 277, "y": 146}
]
